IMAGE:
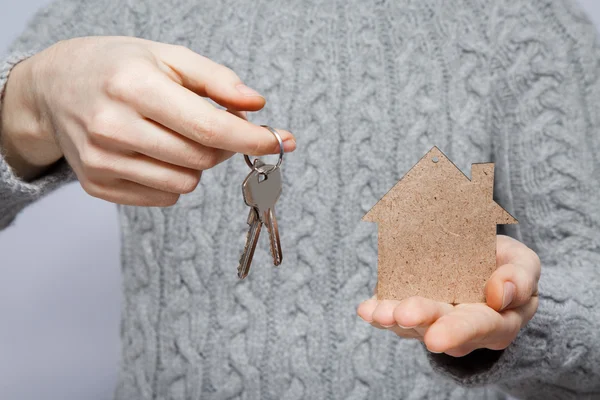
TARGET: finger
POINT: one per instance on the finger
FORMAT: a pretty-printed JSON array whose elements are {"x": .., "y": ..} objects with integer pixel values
[
  {"x": 525, "y": 312},
  {"x": 144, "y": 136},
  {"x": 384, "y": 313},
  {"x": 511, "y": 286},
  {"x": 130, "y": 194},
  {"x": 145, "y": 171},
  {"x": 462, "y": 350},
  {"x": 208, "y": 78},
  {"x": 514, "y": 321},
  {"x": 366, "y": 308},
  {"x": 181, "y": 110},
  {"x": 406, "y": 333},
  {"x": 240, "y": 114},
  {"x": 419, "y": 311},
  {"x": 158, "y": 175},
  {"x": 466, "y": 323},
  {"x": 511, "y": 251},
  {"x": 478, "y": 326}
]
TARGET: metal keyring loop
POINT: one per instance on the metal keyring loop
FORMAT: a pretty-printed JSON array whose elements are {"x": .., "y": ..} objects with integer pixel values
[{"x": 274, "y": 132}]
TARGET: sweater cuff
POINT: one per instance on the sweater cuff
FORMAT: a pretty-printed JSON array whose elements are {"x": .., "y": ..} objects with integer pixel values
[{"x": 15, "y": 193}]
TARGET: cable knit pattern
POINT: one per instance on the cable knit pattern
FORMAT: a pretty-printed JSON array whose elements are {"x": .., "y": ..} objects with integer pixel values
[{"x": 368, "y": 87}]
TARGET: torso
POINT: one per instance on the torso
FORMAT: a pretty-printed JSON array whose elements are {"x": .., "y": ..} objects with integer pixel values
[{"x": 366, "y": 87}]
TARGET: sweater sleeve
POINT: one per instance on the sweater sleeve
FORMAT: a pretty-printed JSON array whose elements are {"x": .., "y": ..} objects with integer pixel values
[
  {"x": 545, "y": 128},
  {"x": 58, "y": 21}
]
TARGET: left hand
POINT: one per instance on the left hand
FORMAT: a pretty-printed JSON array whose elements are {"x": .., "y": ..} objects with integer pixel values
[{"x": 511, "y": 297}]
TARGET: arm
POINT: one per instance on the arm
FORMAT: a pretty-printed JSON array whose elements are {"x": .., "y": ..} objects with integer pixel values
[
  {"x": 129, "y": 115},
  {"x": 31, "y": 164},
  {"x": 547, "y": 130}
]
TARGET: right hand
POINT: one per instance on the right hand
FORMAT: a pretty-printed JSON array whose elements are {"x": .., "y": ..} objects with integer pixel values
[
  {"x": 457, "y": 330},
  {"x": 128, "y": 116}
]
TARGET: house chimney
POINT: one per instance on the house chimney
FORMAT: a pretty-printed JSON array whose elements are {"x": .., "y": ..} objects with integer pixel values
[{"x": 483, "y": 176}]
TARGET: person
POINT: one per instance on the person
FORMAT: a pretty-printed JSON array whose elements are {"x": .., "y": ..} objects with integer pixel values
[{"x": 136, "y": 100}]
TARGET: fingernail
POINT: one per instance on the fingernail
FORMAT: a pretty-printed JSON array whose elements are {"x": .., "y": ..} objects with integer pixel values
[
  {"x": 387, "y": 326},
  {"x": 246, "y": 91},
  {"x": 407, "y": 327},
  {"x": 509, "y": 294}
]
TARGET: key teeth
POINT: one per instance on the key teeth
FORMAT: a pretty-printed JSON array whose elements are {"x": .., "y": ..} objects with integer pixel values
[
  {"x": 241, "y": 273},
  {"x": 251, "y": 239},
  {"x": 274, "y": 244}
]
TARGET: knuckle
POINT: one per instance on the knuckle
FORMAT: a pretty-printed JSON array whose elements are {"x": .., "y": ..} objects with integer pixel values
[
  {"x": 526, "y": 286},
  {"x": 152, "y": 144},
  {"x": 530, "y": 311},
  {"x": 102, "y": 126},
  {"x": 206, "y": 159},
  {"x": 166, "y": 200},
  {"x": 205, "y": 129},
  {"x": 513, "y": 331},
  {"x": 127, "y": 81},
  {"x": 535, "y": 257},
  {"x": 229, "y": 74},
  {"x": 187, "y": 183},
  {"x": 537, "y": 264},
  {"x": 119, "y": 83},
  {"x": 94, "y": 162},
  {"x": 90, "y": 187}
]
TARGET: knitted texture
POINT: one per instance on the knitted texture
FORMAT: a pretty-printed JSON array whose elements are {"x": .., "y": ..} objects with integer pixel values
[{"x": 367, "y": 87}]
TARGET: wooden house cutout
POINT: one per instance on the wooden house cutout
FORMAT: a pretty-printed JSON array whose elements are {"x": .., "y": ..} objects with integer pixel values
[{"x": 437, "y": 232}]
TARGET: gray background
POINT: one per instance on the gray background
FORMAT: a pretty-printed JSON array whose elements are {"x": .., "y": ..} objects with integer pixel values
[{"x": 60, "y": 282}]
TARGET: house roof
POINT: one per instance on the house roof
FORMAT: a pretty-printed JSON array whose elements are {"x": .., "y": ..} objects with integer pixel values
[{"x": 435, "y": 181}]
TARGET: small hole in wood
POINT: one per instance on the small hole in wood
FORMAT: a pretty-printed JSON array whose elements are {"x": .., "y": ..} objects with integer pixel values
[{"x": 435, "y": 159}]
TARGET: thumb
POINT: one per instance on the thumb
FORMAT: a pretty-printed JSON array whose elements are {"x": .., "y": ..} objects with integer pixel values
[
  {"x": 207, "y": 78},
  {"x": 510, "y": 286}
]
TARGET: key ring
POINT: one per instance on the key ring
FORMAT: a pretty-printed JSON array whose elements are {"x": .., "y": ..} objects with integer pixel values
[{"x": 260, "y": 169}]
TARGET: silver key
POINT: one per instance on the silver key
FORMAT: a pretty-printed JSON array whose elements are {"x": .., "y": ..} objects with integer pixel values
[
  {"x": 261, "y": 189},
  {"x": 273, "y": 191},
  {"x": 273, "y": 230},
  {"x": 251, "y": 240}
]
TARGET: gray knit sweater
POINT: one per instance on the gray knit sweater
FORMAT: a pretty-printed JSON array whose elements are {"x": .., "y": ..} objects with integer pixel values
[{"x": 367, "y": 87}]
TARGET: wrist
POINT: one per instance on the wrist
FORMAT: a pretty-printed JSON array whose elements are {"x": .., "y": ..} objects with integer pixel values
[{"x": 26, "y": 140}]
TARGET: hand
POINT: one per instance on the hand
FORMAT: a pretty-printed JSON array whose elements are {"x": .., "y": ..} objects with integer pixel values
[
  {"x": 511, "y": 296},
  {"x": 128, "y": 116}
]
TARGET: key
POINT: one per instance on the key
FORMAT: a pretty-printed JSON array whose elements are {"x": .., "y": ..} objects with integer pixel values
[
  {"x": 251, "y": 240},
  {"x": 273, "y": 230},
  {"x": 266, "y": 206},
  {"x": 261, "y": 190}
]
